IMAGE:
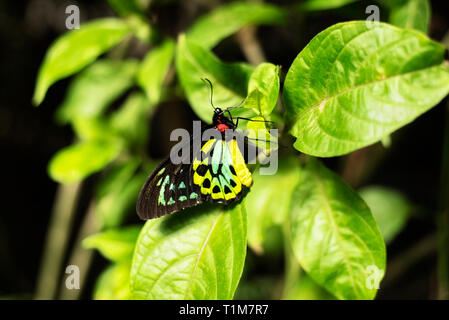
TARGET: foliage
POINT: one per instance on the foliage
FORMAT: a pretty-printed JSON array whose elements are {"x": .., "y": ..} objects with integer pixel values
[{"x": 353, "y": 85}]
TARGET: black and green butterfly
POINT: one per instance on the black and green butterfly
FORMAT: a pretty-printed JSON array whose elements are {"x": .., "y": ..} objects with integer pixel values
[{"x": 216, "y": 173}]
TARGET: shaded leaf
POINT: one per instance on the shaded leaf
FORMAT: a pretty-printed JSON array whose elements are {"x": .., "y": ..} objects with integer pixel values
[
  {"x": 230, "y": 80},
  {"x": 268, "y": 203},
  {"x": 76, "y": 49},
  {"x": 76, "y": 162},
  {"x": 334, "y": 235},
  {"x": 196, "y": 254},
  {"x": 389, "y": 207},
  {"x": 117, "y": 193},
  {"x": 154, "y": 69},
  {"x": 353, "y": 85},
  {"x": 96, "y": 87},
  {"x": 222, "y": 22},
  {"x": 132, "y": 120},
  {"x": 116, "y": 245},
  {"x": 263, "y": 89},
  {"x": 411, "y": 14}
]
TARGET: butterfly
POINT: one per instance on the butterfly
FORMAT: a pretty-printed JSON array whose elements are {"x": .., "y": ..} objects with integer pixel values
[{"x": 216, "y": 172}]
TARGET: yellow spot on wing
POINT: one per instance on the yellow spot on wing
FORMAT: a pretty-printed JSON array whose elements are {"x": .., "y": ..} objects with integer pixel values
[{"x": 239, "y": 164}]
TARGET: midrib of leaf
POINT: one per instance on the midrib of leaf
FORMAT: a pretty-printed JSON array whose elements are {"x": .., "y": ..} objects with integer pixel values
[
  {"x": 328, "y": 210},
  {"x": 200, "y": 254},
  {"x": 326, "y": 99}
]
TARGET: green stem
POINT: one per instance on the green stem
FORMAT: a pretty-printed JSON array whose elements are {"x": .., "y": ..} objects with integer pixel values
[
  {"x": 443, "y": 219},
  {"x": 81, "y": 257},
  {"x": 56, "y": 241}
]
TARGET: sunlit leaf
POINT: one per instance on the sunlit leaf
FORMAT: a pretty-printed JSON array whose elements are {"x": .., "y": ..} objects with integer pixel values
[
  {"x": 96, "y": 87},
  {"x": 389, "y": 207},
  {"x": 154, "y": 69},
  {"x": 263, "y": 89},
  {"x": 334, "y": 235},
  {"x": 312, "y": 5},
  {"x": 116, "y": 245},
  {"x": 198, "y": 253},
  {"x": 411, "y": 14},
  {"x": 268, "y": 202},
  {"x": 224, "y": 21},
  {"x": 353, "y": 85},
  {"x": 113, "y": 283},
  {"x": 230, "y": 80},
  {"x": 76, "y": 49},
  {"x": 76, "y": 162}
]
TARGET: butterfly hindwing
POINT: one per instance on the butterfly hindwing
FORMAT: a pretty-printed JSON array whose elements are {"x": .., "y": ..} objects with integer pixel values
[{"x": 220, "y": 172}]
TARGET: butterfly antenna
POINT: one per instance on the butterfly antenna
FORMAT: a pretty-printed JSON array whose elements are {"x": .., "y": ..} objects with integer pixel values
[
  {"x": 211, "y": 88},
  {"x": 238, "y": 106}
]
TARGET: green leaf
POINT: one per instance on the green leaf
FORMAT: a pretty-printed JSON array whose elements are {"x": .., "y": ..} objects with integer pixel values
[
  {"x": 263, "y": 89},
  {"x": 113, "y": 283},
  {"x": 76, "y": 49},
  {"x": 304, "y": 288},
  {"x": 154, "y": 69},
  {"x": 76, "y": 162},
  {"x": 132, "y": 120},
  {"x": 226, "y": 20},
  {"x": 117, "y": 193},
  {"x": 268, "y": 203},
  {"x": 230, "y": 80},
  {"x": 389, "y": 207},
  {"x": 353, "y": 85},
  {"x": 411, "y": 14},
  {"x": 96, "y": 87},
  {"x": 313, "y": 5},
  {"x": 195, "y": 254},
  {"x": 126, "y": 7},
  {"x": 116, "y": 245},
  {"x": 334, "y": 235}
]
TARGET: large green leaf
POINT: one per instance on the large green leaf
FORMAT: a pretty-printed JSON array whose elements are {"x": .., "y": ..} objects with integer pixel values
[
  {"x": 96, "y": 87},
  {"x": 224, "y": 21},
  {"x": 198, "y": 253},
  {"x": 116, "y": 245},
  {"x": 154, "y": 69},
  {"x": 230, "y": 81},
  {"x": 389, "y": 207},
  {"x": 411, "y": 14},
  {"x": 268, "y": 202},
  {"x": 263, "y": 89},
  {"x": 76, "y": 162},
  {"x": 353, "y": 85},
  {"x": 312, "y": 5},
  {"x": 334, "y": 235},
  {"x": 76, "y": 49}
]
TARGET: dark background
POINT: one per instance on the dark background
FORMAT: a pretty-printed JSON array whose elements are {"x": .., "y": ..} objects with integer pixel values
[{"x": 29, "y": 137}]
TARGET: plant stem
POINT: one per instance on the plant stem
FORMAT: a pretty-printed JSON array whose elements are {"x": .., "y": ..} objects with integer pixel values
[
  {"x": 81, "y": 257},
  {"x": 56, "y": 240},
  {"x": 443, "y": 218},
  {"x": 250, "y": 46}
]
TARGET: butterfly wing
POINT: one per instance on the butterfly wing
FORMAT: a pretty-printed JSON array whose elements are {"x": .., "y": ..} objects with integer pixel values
[
  {"x": 168, "y": 189},
  {"x": 220, "y": 173}
]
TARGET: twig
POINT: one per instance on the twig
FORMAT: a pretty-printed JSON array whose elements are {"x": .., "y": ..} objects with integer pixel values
[
  {"x": 247, "y": 39},
  {"x": 56, "y": 240}
]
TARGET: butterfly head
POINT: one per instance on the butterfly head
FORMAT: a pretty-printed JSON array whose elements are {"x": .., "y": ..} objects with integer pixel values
[{"x": 221, "y": 122}]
